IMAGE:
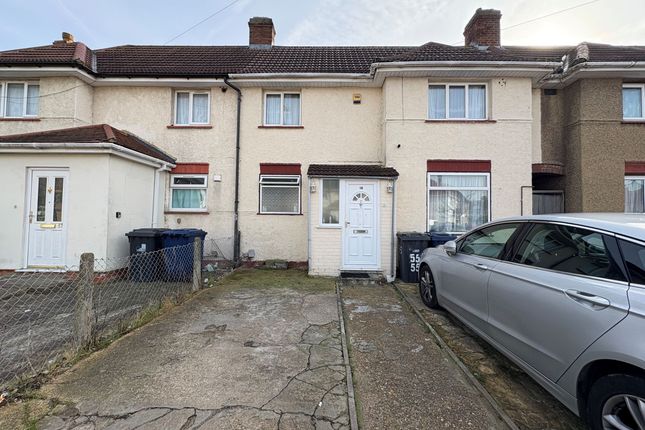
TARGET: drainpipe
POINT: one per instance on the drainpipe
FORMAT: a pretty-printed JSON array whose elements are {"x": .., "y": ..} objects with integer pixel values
[
  {"x": 309, "y": 226},
  {"x": 236, "y": 208},
  {"x": 522, "y": 197},
  {"x": 392, "y": 275}
]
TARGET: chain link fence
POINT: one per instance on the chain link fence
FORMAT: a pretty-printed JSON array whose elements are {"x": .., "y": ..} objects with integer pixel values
[{"x": 46, "y": 317}]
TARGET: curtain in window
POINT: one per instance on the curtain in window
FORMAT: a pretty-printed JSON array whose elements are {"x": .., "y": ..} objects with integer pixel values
[
  {"x": 188, "y": 199},
  {"x": 457, "y": 210},
  {"x": 458, "y": 181},
  {"x": 200, "y": 108},
  {"x": 477, "y": 101},
  {"x": 437, "y": 102},
  {"x": 634, "y": 195},
  {"x": 33, "y": 92},
  {"x": 183, "y": 100},
  {"x": 15, "y": 99},
  {"x": 272, "y": 109},
  {"x": 291, "y": 114},
  {"x": 457, "y": 101},
  {"x": 330, "y": 201},
  {"x": 632, "y": 103}
]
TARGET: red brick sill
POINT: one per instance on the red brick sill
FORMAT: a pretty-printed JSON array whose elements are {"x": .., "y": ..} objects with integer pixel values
[
  {"x": 187, "y": 212},
  {"x": 259, "y": 213},
  {"x": 20, "y": 119},
  {"x": 462, "y": 121},
  {"x": 637, "y": 122},
  {"x": 190, "y": 126},
  {"x": 281, "y": 126}
]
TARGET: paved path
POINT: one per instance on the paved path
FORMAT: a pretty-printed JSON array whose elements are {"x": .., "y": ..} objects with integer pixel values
[
  {"x": 402, "y": 378},
  {"x": 244, "y": 354}
]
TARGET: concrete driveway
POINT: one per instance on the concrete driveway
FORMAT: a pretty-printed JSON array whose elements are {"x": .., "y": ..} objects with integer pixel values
[{"x": 260, "y": 350}]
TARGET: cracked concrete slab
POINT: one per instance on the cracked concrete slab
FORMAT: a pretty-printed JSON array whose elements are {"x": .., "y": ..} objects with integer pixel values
[{"x": 262, "y": 349}]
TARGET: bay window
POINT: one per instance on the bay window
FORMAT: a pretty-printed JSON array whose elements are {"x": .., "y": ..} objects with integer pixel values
[
  {"x": 457, "y": 101},
  {"x": 20, "y": 99},
  {"x": 457, "y": 202},
  {"x": 279, "y": 194},
  {"x": 188, "y": 193},
  {"x": 192, "y": 107},
  {"x": 633, "y": 101},
  {"x": 330, "y": 202},
  {"x": 634, "y": 194},
  {"x": 282, "y": 109}
]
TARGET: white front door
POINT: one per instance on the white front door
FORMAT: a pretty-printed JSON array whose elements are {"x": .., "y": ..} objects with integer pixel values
[
  {"x": 46, "y": 218},
  {"x": 360, "y": 229}
]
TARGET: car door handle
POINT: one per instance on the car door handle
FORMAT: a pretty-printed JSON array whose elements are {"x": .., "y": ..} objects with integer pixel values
[
  {"x": 587, "y": 298},
  {"x": 481, "y": 266}
]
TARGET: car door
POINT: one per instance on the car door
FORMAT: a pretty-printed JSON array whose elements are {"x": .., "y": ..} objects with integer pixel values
[
  {"x": 464, "y": 275},
  {"x": 562, "y": 289}
]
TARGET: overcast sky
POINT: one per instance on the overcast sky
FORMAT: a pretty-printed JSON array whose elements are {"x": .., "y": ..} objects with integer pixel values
[{"x": 315, "y": 22}]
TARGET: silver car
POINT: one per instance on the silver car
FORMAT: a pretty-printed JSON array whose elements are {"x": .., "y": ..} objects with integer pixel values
[{"x": 563, "y": 296}]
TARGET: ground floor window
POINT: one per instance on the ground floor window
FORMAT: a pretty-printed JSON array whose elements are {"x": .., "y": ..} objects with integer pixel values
[
  {"x": 330, "y": 201},
  {"x": 458, "y": 202},
  {"x": 634, "y": 194},
  {"x": 280, "y": 194},
  {"x": 188, "y": 192}
]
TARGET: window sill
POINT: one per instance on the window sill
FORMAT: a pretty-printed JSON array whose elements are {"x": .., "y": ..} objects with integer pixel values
[
  {"x": 204, "y": 126},
  {"x": 281, "y": 126},
  {"x": 462, "y": 121},
  {"x": 633, "y": 121},
  {"x": 20, "y": 119},
  {"x": 278, "y": 214},
  {"x": 329, "y": 227},
  {"x": 187, "y": 212}
]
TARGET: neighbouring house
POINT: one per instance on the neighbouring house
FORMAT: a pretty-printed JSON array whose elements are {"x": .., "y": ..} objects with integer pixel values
[
  {"x": 322, "y": 154},
  {"x": 76, "y": 190}
]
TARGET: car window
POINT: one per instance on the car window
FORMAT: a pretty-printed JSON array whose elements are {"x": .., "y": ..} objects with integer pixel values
[
  {"x": 634, "y": 256},
  {"x": 487, "y": 242},
  {"x": 568, "y": 249}
]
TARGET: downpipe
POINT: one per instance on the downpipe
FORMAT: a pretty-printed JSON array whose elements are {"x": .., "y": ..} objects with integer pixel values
[
  {"x": 392, "y": 276},
  {"x": 236, "y": 207}
]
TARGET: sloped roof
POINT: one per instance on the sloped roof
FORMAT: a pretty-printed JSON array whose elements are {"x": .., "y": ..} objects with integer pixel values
[
  {"x": 97, "y": 133},
  {"x": 348, "y": 170},
  {"x": 57, "y": 54}
]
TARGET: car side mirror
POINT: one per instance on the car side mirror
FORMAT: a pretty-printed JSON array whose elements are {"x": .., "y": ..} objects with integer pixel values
[{"x": 450, "y": 247}]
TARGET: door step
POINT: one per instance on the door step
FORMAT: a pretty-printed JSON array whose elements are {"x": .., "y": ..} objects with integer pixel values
[{"x": 349, "y": 278}]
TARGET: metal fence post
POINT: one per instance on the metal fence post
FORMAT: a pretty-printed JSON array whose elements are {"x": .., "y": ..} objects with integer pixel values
[
  {"x": 197, "y": 264},
  {"x": 84, "y": 305}
]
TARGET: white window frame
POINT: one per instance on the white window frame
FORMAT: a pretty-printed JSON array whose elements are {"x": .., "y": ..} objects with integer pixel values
[
  {"x": 639, "y": 177},
  {"x": 447, "y": 86},
  {"x": 265, "y": 182},
  {"x": 321, "y": 221},
  {"x": 431, "y": 188},
  {"x": 174, "y": 186},
  {"x": 4, "y": 85},
  {"x": 281, "y": 94},
  {"x": 190, "y": 122},
  {"x": 642, "y": 88}
]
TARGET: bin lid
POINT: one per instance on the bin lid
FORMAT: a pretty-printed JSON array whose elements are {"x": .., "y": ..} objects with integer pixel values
[
  {"x": 413, "y": 235},
  {"x": 442, "y": 235},
  {"x": 146, "y": 232},
  {"x": 184, "y": 232}
]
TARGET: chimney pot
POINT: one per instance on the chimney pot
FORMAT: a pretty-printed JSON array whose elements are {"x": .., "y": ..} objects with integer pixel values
[
  {"x": 261, "y": 32},
  {"x": 483, "y": 29}
]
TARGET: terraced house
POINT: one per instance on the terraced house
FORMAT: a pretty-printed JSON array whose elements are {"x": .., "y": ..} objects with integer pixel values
[{"x": 316, "y": 154}]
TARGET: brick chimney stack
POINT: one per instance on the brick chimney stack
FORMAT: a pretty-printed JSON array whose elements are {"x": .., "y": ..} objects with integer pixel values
[
  {"x": 483, "y": 28},
  {"x": 261, "y": 32}
]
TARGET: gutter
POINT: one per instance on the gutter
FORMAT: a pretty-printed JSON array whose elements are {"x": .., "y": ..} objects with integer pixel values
[
  {"x": 236, "y": 207},
  {"x": 583, "y": 68}
]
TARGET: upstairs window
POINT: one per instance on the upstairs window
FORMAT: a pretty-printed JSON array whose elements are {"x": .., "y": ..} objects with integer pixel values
[
  {"x": 279, "y": 194},
  {"x": 457, "y": 101},
  {"x": 633, "y": 101},
  {"x": 192, "y": 107},
  {"x": 20, "y": 99},
  {"x": 282, "y": 109},
  {"x": 188, "y": 193}
]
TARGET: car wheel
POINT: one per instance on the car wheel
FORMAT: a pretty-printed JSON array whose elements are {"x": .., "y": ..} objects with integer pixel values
[
  {"x": 617, "y": 402},
  {"x": 427, "y": 288}
]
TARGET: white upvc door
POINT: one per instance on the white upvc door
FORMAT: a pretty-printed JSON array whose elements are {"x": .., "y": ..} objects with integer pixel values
[
  {"x": 361, "y": 225},
  {"x": 47, "y": 218}
]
